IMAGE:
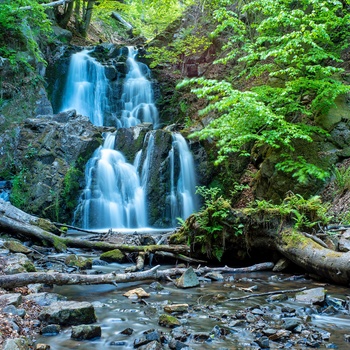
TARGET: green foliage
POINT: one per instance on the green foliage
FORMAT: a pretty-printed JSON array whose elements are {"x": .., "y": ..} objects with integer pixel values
[
  {"x": 20, "y": 28},
  {"x": 342, "y": 179},
  {"x": 210, "y": 221},
  {"x": 305, "y": 213},
  {"x": 71, "y": 187},
  {"x": 18, "y": 196},
  {"x": 293, "y": 47},
  {"x": 148, "y": 17}
]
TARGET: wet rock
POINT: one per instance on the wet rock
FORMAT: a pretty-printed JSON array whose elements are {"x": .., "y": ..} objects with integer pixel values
[
  {"x": 177, "y": 345},
  {"x": 188, "y": 279},
  {"x": 11, "y": 309},
  {"x": 154, "y": 345},
  {"x": 17, "y": 344},
  {"x": 18, "y": 263},
  {"x": 214, "y": 276},
  {"x": 16, "y": 247},
  {"x": 277, "y": 297},
  {"x": 176, "y": 308},
  {"x": 149, "y": 336},
  {"x": 42, "y": 346},
  {"x": 347, "y": 338},
  {"x": 201, "y": 336},
  {"x": 51, "y": 329},
  {"x": 281, "y": 265},
  {"x": 137, "y": 292},
  {"x": 114, "y": 255},
  {"x": 290, "y": 323},
  {"x": 78, "y": 261},
  {"x": 68, "y": 313},
  {"x": 127, "y": 331},
  {"x": 111, "y": 72},
  {"x": 156, "y": 286},
  {"x": 85, "y": 332},
  {"x": 335, "y": 302},
  {"x": 44, "y": 298},
  {"x": 168, "y": 321},
  {"x": 311, "y": 296},
  {"x": 63, "y": 35},
  {"x": 263, "y": 342},
  {"x": 11, "y": 299}
]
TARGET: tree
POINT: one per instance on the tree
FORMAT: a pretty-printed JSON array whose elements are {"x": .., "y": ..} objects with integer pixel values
[{"x": 289, "y": 50}]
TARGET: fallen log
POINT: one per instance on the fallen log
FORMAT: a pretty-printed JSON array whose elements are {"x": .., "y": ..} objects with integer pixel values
[
  {"x": 50, "y": 4},
  {"x": 119, "y": 18},
  {"x": 19, "y": 223},
  {"x": 57, "y": 278}
]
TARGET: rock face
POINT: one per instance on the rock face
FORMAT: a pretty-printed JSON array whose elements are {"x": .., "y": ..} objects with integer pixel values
[{"x": 48, "y": 154}]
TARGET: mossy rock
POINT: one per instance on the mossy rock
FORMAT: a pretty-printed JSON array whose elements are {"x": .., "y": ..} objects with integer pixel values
[
  {"x": 16, "y": 247},
  {"x": 78, "y": 261},
  {"x": 114, "y": 255},
  {"x": 168, "y": 321}
]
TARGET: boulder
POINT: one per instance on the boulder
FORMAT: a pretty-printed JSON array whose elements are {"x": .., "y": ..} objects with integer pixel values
[
  {"x": 176, "y": 308},
  {"x": 168, "y": 321},
  {"x": 17, "y": 344},
  {"x": 86, "y": 332},
  {"x": 188, "y": 279},
  {"x": 311, "y": 296},
  {"x": 138, "y": 292},
  {"x": 44, "y": 298},
  {"x": 11, "y": 299},
  {"x": 68, "y": 313},
  {"x": 17, "y": 263}
]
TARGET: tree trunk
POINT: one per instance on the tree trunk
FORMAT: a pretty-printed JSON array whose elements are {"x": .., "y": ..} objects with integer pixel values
[{"x": 311, "y": 256}]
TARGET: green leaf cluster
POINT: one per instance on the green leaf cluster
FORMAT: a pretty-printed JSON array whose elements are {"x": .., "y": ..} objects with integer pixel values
[
  {"x": 20, "y": 28},
  {"x": 303, "y": 213},
  {"x": 289, "y": 51}
]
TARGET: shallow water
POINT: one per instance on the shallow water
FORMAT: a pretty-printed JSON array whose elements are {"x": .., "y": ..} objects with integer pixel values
[{"x": 116, "y": 312}]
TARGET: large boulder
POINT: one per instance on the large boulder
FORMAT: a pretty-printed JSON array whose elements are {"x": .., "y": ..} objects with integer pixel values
[{"x": 68, "y": 313}]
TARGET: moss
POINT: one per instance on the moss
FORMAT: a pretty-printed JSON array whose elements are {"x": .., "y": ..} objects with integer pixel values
[
  {"x": 114, "y": 255},
  {"x": 168, "y": 321},
  {"x": 78, "y": 261},
  {"x": 178, "y": 238},
  {"x": 59, "y": 244},
  {"x": 29, "y": 267}
]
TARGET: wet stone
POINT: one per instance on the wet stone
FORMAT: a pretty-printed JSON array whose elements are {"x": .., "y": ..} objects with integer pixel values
[
  {"x": 214, "y": 276},
  {"x": 277, "y": 297},
  {"x": 311, "y": 296},
  {"x": 127, "y": 331},
  {"x": 188, "y": 279},
  {"x": 154, "y": 345},
  {"x": 86, "y": 332},
  {"x": 176, "y": 345},
  {"x": 290, "y": 323},
  {"x": 263, "y": 342},
  {"x": 51, "y": 329},
  {"x": 156, "y": 286},
  {"x": 11, "y": 309}
]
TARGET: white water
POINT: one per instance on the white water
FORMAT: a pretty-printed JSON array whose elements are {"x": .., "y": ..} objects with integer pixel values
[
  {"x": 137, "y": 98},
  {"x": 114, "y": 196},
  {"x": 183, "y": 201},
  {"x": 86, "y": 88}
]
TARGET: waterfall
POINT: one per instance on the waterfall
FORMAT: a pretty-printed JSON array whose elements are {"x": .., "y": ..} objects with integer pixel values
[
  {"x": 137, "y": 96},
  {"x": 116, "y": 192},
  {"x": 113, "y": 196},
  {"x": 86, "y": 88},
  {"x": 183, "y": 200}
]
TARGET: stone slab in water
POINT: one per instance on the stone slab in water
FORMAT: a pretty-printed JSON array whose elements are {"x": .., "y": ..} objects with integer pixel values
[
  {"x": 188, "y": 279},
  {"x": 311, "y": 296}
]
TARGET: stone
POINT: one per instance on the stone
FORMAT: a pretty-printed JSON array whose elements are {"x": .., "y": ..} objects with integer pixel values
[
  {"x": 18, "y": 263},
  {"x": 127, "y": 331},
  {"x": 289, "y": 323},
  {"x": 176, "y": 308},
  {"x": 188, "y": 279},
  {"x": 44, "y": 298},
  {"x": 42, "y": 346},
  {"x": 149, "y": 336},
  {"x": 16, "y": 247},
  {"x": 11, "y": 309},
  {"x": 17, "y": 344},
  {"x": 51, "y": 329},
  {"x": 154, "y": 345},
  {"x": 78, "y": 261},
  {"x": 114, "y": 255},
  {"x": 277, "y": 297},
  {"x": 311, "y": 296},
  {"x": 68, "y": 313},
  {"x": 263, "y": 342},
  {"x": 11, "y": 299},
  {"x": 156, "y": 286},
  {"x": 281, "y": 265},
  {"x": 214, "y": 276},
  {"x": 168, "y": 321},
  {"x": 63, "y": 35},
  {"x": 86, "y": 332},
  {"x": 139, "y": 292}
]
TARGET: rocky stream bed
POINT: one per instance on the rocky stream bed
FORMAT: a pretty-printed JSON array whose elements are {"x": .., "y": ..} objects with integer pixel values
[{"x": 256, "y": 310}]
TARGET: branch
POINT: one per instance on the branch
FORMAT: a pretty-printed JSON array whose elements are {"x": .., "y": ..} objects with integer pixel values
[{"x": 50, "y": 4}]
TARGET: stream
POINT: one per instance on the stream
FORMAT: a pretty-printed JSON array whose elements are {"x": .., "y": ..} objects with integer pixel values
[{"x": 209, "y": 313}]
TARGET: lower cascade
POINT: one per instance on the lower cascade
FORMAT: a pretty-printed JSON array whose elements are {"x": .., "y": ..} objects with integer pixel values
[{"x": 127, "y": 192}]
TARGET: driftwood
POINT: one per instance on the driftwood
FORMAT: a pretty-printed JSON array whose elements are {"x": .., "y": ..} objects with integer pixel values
[
  {"x": 119, "y": 18},
  {"x": 50, "y": 4},
  {"x": 12, "y": 221},
  {"x": 50, "y": 278}
]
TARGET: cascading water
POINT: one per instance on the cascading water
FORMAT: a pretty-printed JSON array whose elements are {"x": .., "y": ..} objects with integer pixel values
[
  {"x": 183, "y": 200},
  {"x": 115, "y": 195},
  {"x": 86, "y": 88}
]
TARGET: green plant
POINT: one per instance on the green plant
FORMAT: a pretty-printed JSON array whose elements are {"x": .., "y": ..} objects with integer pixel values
[
  {"x": 303, "y": 213},
  {"x": 71, "y": 187},
  {"x": 342, "y": 179},
  {"x": 210, "y": 221},
  {"x": 18, "y": 196}
]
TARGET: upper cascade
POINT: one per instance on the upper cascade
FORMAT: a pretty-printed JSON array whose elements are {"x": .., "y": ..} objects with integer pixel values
[{"x": 154, "y": 185}]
